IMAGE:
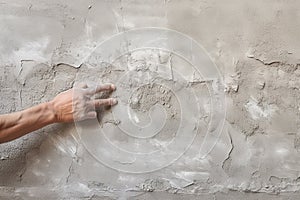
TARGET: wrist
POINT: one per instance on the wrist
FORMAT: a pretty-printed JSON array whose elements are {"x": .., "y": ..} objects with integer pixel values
[{"x": 52, "y": 112}]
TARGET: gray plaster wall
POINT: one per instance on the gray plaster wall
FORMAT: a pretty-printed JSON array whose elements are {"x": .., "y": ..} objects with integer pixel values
[{"x": 254, "y": 44}]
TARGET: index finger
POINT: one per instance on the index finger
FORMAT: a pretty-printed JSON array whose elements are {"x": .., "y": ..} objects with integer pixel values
[{"x": 101, "y": 88}]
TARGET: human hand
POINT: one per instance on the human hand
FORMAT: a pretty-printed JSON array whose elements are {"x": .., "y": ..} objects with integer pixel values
[{"x": 76, "y": 104}]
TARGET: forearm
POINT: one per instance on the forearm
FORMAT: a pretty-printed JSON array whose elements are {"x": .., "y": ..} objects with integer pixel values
[{"x": 17, "y": 124}]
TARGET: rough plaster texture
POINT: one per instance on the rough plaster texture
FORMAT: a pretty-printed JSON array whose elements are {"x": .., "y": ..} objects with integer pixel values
[{"x": 255, "y": 44}]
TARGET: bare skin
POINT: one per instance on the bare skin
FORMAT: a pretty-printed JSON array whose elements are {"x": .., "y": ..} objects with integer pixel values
[{"x": 72, "y": 105}]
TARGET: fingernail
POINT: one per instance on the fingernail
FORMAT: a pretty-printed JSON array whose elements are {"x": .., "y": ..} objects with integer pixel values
[
  {"x": 114, "y": 101},
  {"x": 113, "y": 86}
]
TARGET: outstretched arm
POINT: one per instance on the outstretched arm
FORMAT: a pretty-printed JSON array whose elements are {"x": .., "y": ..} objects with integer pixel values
[
  {"x": 72, "y": 105},
  {"x": 17, "y": 124}
]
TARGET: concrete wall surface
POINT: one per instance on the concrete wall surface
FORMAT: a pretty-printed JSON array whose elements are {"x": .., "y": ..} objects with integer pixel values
[{"x": 209, "y": 101}]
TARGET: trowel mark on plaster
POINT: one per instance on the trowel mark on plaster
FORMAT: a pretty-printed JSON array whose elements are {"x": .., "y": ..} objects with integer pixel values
[
  {"x": 68, "y": 147},
  {"x": 258, "y": 112},
  {"x": 272, "y": 101},
  {"x": 28, "y": 38},
  {"x": 31, "y": 51}
]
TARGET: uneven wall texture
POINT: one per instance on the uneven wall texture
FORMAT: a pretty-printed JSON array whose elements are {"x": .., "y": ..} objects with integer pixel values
[{"x": 254, "y": 44}]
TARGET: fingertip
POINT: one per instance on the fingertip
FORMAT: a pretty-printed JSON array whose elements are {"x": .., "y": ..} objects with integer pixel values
[
  {"x": 113, "y": 87},
  {"x": 114, "y": 101}
]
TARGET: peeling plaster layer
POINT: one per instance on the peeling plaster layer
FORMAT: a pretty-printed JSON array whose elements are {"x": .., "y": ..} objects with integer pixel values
[{"x": 44, "y": 46}]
